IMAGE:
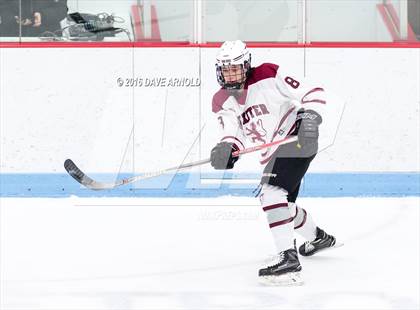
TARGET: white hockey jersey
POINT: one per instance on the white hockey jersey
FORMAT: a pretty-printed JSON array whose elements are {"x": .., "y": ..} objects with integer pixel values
[{"x": 266, "y": 109}]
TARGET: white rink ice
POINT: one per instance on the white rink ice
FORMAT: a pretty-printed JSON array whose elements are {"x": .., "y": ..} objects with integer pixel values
[{"x": 113, "y": 253}]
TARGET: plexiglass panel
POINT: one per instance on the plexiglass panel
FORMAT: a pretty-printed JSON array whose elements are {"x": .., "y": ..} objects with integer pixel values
[
  {"x": 252, "y": 20},
  {"x": 67, "y": 20},
  {"x": 201, "y": 21},
  {"x": 174, "y": 19},
  {"x": 346, "y": 21},
  {"x": 10, "y": 26}
]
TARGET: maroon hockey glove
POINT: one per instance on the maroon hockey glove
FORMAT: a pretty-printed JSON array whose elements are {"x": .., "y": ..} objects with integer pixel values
[{"x": 221, "y": 156}]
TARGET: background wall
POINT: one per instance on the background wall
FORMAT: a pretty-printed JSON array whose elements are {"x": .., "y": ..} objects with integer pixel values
[{"x": 67, "y": 103}]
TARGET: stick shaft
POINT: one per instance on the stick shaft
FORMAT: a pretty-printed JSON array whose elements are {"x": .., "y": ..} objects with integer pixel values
[
  {"x": 205, "y": 161},
  {"x": 83, "y": 179},
  {"x": 266, "y": 145}
]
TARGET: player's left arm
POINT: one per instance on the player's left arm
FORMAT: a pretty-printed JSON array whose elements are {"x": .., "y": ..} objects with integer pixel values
[
  {"x": 310, "y": 100},
  {"x": 309, "y": 95}
]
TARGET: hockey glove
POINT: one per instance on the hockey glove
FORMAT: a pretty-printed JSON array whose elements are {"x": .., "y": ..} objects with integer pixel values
[
  {"x": 307, "y": 123},
  {"x": 221, "y": 156}
]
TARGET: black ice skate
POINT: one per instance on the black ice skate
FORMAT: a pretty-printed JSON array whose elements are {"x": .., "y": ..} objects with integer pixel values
[
  {"x": 322, "y": 241},
  {"x": 283, "y": 269}
]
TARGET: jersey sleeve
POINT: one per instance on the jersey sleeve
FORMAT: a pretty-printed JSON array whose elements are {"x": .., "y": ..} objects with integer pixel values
[
  {"x": 230, "y": 129},
  {"x": 303, "y": 92}
]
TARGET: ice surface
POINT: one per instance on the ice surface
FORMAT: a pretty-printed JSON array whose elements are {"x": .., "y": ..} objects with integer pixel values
[{"x": 113, "y": 253}]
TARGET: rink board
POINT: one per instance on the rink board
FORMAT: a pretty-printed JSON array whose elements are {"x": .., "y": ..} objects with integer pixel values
[
  {"x": 86, "y": 115},
  {"x": 210, "y": 185}
]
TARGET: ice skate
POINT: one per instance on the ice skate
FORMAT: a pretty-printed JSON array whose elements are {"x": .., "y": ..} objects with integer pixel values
[
  {"x": 283, "y": 270},
  {"x": 322, "y": 242}
]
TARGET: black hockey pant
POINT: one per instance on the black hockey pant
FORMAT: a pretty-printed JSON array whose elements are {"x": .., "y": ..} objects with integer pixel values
[{"x": 287, "y": 168}]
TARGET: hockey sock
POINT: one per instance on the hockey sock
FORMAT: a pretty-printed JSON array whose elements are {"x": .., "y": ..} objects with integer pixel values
[
  {"x": 274, "y": 203},
  {"x": 303, "y": 222}
]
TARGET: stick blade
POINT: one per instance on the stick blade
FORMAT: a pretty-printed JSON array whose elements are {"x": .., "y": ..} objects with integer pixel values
[{"x": 82, "y": 178}]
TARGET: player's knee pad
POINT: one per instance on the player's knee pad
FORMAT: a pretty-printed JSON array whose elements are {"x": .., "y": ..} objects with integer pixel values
[
  {"x": 271, "y": 194},
  {"x": 274, "y": 203}
]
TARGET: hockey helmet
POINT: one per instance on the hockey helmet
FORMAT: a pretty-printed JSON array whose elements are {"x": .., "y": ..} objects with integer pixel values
[{"x": 233, "y": 64}]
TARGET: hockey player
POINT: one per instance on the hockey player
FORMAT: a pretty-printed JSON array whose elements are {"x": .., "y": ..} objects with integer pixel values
[{"x": 263, "y": 105}]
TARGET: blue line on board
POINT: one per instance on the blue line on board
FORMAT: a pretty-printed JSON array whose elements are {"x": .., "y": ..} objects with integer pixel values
[{"x": 189, "y": 185}]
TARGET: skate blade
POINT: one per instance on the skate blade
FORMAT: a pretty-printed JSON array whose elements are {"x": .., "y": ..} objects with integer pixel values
[
  {"x": 336, "y": 245},
  {"x": 288, "y": 279}
]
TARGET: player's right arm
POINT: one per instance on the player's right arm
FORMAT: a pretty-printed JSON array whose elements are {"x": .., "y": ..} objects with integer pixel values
[
  {"x": 230, "y": 130},
  {"x": 230, "y": 133}
]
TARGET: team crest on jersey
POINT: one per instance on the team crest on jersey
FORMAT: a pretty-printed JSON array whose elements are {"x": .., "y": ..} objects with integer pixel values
[{"x": 256, "y": 132}]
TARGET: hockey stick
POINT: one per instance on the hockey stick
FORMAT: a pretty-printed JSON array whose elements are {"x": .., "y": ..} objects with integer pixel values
[{"x": 83, "y": 179}]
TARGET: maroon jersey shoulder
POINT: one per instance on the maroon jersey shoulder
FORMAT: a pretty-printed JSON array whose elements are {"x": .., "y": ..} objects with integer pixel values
[
  {"x": 262, "y": 72},
  {"x": 219, "y": 99}
]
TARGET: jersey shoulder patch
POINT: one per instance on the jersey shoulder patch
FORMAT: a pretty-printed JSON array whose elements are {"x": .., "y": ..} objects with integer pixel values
[
  {"x": 219, "y": 99},
  {"x": 262, "y": 72}
]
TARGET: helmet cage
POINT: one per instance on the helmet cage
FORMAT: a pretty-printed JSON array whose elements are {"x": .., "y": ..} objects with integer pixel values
[{"x": 245, "y": 66}]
